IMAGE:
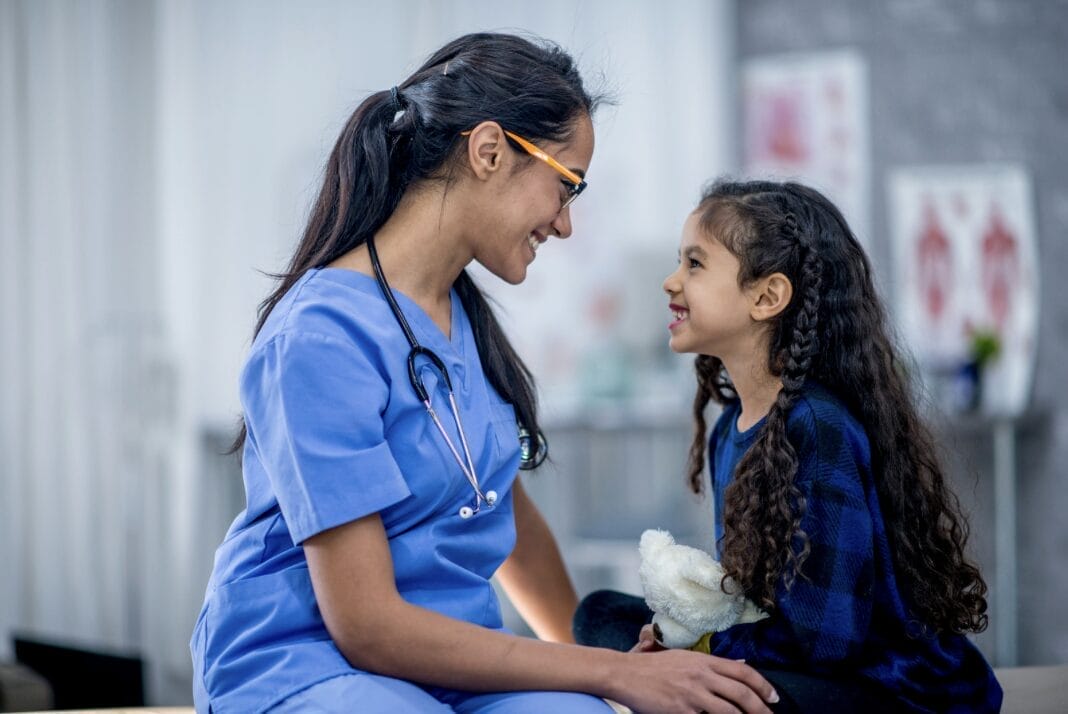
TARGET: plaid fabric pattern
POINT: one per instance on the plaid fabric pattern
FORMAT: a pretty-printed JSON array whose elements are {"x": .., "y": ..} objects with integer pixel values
[{"x": 844, "y": 613}]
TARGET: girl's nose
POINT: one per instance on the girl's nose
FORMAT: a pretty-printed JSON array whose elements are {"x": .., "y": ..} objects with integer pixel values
[{"x": 670, "y": 284}]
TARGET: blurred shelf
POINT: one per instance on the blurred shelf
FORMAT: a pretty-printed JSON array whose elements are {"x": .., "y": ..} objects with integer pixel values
[{"x": 1002, "y": 432}]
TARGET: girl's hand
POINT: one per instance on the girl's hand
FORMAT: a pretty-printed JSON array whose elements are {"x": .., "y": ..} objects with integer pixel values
[
  {"x": 682, "y": 681},
  {"x": 647, "y": 641}
]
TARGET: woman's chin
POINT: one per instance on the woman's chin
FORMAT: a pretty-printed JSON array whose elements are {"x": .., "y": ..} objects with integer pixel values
[{"x": 513, "y": 275}]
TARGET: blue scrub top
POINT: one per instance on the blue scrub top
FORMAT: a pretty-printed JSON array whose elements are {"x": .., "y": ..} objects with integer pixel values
[{"x": 335, "y": 433}]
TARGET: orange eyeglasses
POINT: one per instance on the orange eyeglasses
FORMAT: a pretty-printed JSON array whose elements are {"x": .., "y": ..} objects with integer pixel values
[{"x": 573, "y": 183}]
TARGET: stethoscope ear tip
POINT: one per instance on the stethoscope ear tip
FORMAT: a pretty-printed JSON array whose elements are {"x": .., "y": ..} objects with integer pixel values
[{"x": 490, "y": 498}]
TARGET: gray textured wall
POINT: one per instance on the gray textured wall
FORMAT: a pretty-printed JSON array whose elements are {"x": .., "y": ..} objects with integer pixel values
[{"x": 963, "y": 81}]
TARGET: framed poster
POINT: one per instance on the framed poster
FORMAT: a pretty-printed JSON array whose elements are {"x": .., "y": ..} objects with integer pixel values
[
  {"x": 966, "y": 270},
  {"x": 805, "y": 117}
]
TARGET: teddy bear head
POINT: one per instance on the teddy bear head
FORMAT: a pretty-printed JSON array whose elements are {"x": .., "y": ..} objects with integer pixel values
[{"x": 684, "y": 588}]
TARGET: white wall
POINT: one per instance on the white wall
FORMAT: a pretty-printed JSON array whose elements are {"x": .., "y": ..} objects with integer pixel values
[{"x": 80, "y": 413}]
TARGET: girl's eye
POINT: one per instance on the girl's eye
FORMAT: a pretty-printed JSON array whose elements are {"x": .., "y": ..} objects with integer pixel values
[{"x": 694, "y": 263}]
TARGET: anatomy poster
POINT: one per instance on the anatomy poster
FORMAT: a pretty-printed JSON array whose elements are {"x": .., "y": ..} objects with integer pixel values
[
  {"x": 965, "y": 264},
  {"x": 806, "y": 118}
]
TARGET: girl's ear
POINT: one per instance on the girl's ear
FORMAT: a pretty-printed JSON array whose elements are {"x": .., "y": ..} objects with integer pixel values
[
  {"x": 769, "y": 296},
  {"x": 485, "y": 149}
]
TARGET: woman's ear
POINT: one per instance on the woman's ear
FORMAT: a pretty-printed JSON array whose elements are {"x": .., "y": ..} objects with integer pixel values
[
  {"x": 485, "y": 149},
  {"x": 769, "y": 296}
]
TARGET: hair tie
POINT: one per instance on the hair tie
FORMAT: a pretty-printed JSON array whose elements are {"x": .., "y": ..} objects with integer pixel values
[{"x": 445, "y": 72}]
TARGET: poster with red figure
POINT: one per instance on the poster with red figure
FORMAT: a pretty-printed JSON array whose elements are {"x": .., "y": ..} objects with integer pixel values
[
  {"x": 805, "y": 117},
  {"x": 965, "y": 272}
]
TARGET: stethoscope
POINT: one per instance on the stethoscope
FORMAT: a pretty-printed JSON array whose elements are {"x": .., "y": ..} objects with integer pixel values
[{"x": 528, "y": 459}]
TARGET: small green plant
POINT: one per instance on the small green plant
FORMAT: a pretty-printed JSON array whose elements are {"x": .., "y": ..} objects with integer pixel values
[{"x": 985, "y": 346}]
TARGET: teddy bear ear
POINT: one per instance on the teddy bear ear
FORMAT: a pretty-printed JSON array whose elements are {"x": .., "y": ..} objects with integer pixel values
[
  {"x": 653, "y": 540},
  {"x": 703, "y": 570}
]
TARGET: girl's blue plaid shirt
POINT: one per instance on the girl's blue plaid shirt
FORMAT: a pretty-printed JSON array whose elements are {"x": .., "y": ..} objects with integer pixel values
[{"x": 845, "y": 614}]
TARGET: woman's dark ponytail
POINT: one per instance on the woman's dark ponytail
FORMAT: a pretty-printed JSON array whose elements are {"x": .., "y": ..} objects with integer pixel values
[{"x": 358, "y": 169}]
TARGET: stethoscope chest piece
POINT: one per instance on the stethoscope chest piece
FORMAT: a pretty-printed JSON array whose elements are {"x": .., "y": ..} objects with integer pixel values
[{"x": 530, "y": 457}]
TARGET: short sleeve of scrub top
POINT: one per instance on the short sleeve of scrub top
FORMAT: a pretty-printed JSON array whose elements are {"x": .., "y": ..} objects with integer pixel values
[{"x": 315, "y": 418}]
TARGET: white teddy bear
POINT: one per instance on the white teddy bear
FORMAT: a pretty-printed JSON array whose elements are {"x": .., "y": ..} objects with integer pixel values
[{"x": 682, "y": 587}]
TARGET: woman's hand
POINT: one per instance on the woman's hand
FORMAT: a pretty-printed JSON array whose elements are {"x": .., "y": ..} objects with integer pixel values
[{"x": 686, "y": 682}]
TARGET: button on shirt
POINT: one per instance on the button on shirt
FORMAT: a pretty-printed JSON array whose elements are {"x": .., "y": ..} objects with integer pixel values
[{"x": 335, "y": 433}]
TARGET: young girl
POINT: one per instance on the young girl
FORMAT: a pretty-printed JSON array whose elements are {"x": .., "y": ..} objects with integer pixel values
[
  {"x": 832, "y": 511},
  {"x": 382, "y": 410}
]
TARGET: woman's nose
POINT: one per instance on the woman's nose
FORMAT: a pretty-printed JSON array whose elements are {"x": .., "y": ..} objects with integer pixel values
[{"x": 562, "y": 223}]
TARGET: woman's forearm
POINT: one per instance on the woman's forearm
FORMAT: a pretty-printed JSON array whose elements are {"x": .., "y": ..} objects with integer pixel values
[
  {"x": 378, "y": 631},
  {"x": 413, "y": 643}
]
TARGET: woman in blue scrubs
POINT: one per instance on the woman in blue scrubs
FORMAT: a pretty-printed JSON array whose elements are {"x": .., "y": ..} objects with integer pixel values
[{"x": 358, "y": 576}]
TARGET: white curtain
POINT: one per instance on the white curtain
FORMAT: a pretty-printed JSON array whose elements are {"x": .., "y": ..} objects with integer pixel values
[
  {"x": 154, "y": 156},
  {"x": 84, "y": 461}
]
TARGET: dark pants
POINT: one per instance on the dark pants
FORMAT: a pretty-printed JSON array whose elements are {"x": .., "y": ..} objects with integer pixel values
[{"x": 613, "y": 620}]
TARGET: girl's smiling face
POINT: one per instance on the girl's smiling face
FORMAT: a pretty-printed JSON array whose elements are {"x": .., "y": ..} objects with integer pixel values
[{"x": 710, "y": 310}]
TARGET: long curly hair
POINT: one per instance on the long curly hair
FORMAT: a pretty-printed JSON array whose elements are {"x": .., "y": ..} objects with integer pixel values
[{"x": 834, "y": 331}]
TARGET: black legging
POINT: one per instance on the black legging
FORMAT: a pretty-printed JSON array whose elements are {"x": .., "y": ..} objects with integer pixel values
[{"x": 611, "y": 619}]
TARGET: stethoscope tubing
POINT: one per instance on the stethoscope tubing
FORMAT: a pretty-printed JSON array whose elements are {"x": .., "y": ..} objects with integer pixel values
[{"x": 417, "y": 350}]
